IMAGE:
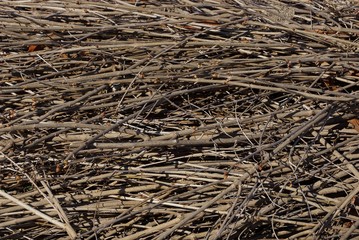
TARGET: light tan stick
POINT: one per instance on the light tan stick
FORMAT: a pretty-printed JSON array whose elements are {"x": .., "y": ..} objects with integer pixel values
[{"x": 38, "y": 213}]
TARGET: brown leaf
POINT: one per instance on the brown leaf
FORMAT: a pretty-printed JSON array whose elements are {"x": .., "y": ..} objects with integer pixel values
[
  {"x": 355, "y": 123},
  {"x": 32, "y": 48},
  {"x": 58, "y": 168},
  {"x": 330, "y": 84}
]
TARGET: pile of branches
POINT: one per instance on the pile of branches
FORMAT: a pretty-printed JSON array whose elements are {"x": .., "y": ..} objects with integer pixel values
[{"x": 179, "y": 119}]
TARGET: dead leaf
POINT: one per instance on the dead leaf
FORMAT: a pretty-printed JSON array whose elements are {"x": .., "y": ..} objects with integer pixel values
[
  {"x": 355, "y": 123},
  {"x": 330, "y": 84},
  {"x": 34, "y": 47}
]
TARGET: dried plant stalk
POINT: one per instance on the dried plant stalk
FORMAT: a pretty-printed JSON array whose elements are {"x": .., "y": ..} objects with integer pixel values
[{"x": 179, "y": 119}]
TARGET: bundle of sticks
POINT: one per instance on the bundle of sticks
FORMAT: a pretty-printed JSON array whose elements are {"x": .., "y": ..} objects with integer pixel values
[{"x": 179, "y": 119}]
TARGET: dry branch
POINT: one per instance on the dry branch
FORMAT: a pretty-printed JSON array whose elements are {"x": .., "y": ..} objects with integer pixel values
[{"x": 179, "y": 119}]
